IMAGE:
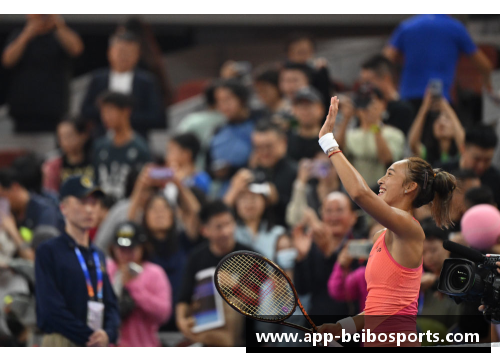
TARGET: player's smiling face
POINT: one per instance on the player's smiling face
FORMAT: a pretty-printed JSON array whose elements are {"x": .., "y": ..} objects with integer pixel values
[{"x": 391, "y": 185}]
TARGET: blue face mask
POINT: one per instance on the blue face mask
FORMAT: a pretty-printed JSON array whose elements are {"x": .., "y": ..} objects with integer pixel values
[{"x": 286, "y": 258}]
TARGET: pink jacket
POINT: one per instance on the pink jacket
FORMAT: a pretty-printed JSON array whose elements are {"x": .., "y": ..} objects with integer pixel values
[
  {"x": 348, "y": 287},
  {"x": 152, "y": 294}
]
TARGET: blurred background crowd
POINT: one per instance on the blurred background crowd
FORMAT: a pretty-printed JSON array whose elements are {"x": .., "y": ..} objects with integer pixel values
[{"x": 205, "y": 138}]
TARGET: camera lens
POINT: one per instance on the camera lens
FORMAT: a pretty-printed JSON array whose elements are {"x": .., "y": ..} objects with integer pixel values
[{"x": 459, "y": 278}]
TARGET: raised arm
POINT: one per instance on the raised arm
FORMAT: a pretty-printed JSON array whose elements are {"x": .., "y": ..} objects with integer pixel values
[
  {"x": 417, "y": 128},
  {"x": 395, "y": 220},
  {"x": 458, "y": 129},
  {"x": 70, "y": 41},
  {"x": 484, "y": 66},
  {"x": 15, "y": 50}
]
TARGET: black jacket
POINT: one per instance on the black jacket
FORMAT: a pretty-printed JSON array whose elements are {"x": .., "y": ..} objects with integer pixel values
[
  {"x": 61, "y": 291},
  {"x": 148, "y": 112}
]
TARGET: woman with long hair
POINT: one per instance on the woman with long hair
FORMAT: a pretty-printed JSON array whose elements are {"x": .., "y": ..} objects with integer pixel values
[
  {"x": 448, "y": 135},
  {"x": 165, "y": 242},
  {"x": 394, "y": 266},
  {"x": 255, "y": 226}
]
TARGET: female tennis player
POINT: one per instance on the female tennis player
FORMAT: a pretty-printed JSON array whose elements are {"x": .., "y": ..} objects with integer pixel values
[{"x": 394, "y": 266}]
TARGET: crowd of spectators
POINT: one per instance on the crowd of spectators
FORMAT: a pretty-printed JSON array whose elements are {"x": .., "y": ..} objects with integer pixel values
[{"x": 244, "y": 173}]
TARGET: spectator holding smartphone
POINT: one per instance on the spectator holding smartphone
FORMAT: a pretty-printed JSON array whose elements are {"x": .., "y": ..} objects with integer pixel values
[
  {"x": 116, "y": 154},
  {"x": 74, "y": 160},
  {"x": 272, "y": 165},
  {"x": 448, "y": 134},
  {"x": 346, "y": 283},
  {"x": 143, "y": 290},
  {"x": 316, "y": 179}
]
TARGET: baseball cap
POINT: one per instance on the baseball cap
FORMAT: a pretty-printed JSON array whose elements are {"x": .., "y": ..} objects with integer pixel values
[
  {"x": 308, "y": 94},
  {"x": 79, "y": 187},
  {"x": 128, "y": 234}
]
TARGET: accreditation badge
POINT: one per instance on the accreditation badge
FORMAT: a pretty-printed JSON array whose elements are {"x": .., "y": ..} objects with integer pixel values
[{"x": 95, "y": 315}]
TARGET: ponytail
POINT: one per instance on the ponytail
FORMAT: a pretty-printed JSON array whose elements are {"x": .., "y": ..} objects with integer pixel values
[
  {"x": 443, "y": 186},
  {"x": 435, "y": 187}
]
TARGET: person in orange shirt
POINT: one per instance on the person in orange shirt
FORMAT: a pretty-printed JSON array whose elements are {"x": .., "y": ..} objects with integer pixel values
[{"x": 394, "y": 266}]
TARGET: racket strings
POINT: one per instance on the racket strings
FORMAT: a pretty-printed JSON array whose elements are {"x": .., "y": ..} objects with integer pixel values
[{"x": 255, "y": 287}]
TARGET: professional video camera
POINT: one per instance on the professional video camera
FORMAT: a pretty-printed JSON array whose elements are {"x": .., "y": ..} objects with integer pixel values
[{"x": 472, "y": 279}]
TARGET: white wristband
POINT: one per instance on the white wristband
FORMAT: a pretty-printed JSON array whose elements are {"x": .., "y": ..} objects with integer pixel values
[
  {"x": 327, "y": 142},
  {"x": 348, "y": 324}
]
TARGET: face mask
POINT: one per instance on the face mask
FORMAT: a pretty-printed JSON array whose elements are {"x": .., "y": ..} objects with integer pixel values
[{"x": 286, "y": 258}]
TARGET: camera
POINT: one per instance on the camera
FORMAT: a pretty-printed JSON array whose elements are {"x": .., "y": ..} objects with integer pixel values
[{"x": 472, "y": 279}]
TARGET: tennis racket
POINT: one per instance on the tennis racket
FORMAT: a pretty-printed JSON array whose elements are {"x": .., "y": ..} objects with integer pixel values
[{"x": 258, "y": 288}]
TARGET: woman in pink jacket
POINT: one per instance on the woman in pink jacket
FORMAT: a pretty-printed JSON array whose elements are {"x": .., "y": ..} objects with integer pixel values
[
  {"x": 142, "y": 288},
  {"x": 345, "y": 284}
]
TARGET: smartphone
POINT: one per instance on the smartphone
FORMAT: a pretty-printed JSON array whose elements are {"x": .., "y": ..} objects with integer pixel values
[
  {"x": 436, "y": 88},
  {"x": 360, "y": 248},
  {"x": 4, "y": 208},
  {"x": 320, "y": 169},
  {"x": 161, "y": 173}
]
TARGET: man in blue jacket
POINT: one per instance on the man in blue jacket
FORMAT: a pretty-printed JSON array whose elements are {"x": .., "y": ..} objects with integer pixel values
[{"x": 75, "y": 303}]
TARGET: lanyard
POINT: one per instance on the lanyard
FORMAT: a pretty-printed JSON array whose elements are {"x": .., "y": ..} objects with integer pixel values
[{"x": 85, "y": 270}]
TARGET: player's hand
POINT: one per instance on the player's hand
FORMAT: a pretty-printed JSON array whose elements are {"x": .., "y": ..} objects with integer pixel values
[
  {"x": 98, "y": 339},
  {"x": 330, "y": 118},
  {"x": 334, "y": 329}
]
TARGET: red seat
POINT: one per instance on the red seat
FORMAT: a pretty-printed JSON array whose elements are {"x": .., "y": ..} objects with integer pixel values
[
  {"x": 9, "y": 155},
  {"x": 190, "y": 89}
]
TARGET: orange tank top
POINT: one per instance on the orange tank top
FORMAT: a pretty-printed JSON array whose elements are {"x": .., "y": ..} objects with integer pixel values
[{"x": 392, "y": 288}]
